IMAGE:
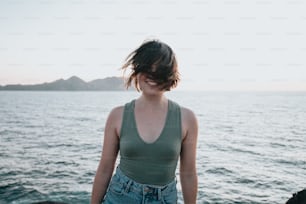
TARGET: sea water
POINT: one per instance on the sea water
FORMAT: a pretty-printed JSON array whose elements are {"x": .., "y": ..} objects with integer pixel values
[{"x": 251, "y": 145}]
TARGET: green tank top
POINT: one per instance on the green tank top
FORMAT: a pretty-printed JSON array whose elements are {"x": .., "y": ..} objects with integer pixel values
[{"x": 150, "y": 163}]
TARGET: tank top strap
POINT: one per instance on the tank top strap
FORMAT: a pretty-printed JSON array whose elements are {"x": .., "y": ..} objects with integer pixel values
[
  {"x": 175, "y": 112},
  {"x": 127, "y": 120}
]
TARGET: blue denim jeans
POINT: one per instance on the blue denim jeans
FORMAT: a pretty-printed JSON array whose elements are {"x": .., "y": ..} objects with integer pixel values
[{"x": 124, "y": 190}]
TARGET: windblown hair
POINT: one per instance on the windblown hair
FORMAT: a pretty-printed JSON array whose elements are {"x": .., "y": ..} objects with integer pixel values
[{"x": 157, "y": 61}]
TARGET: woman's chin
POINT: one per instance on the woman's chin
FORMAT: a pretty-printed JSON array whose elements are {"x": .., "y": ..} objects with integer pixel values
[{"x": 152, "y": 91}]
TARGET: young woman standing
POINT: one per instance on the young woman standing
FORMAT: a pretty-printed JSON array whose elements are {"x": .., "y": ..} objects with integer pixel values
[{"x": 151, "y": 133}]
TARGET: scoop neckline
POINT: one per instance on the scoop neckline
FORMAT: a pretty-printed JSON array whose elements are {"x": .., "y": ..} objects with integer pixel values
[{"x": 163, "y": 128}]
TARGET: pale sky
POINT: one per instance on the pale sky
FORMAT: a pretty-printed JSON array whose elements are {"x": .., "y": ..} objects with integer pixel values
[{"x": 220, "y": 44}]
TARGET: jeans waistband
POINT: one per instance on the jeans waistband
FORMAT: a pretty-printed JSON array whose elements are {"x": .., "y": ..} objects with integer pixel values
[{"x": 131, "y": 185}]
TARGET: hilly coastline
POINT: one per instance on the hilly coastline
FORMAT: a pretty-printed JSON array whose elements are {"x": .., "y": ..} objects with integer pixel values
[{"x": 74, "y": 83}]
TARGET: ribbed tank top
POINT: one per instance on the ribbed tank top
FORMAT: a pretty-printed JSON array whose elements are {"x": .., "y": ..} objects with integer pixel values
[{"x": 150, "y": 163}]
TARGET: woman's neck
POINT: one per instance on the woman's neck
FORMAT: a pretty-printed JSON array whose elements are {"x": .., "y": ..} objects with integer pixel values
[{"x": 152, "y": 100}]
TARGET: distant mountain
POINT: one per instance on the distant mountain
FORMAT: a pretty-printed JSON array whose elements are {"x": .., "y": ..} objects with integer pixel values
[{"x": 74, "y": 83}]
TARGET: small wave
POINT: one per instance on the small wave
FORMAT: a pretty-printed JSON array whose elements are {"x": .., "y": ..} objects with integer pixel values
[
  {"x": 100, "y": 129},
  {"x": 67, "y": 163},
  {"x": 262, "y": 185},
  {"x": 242, "y": 180},
  {"x": 89, "y": 174},
  {"x": 277, "y": 183},
  {"x": 292, "y": 162},
  {"x": 33, "y": 126},
  {"x": 83, "y": 119},
  {"x": 62, "y": 174},
  {"x": 240, "y": 150},
  {"x": 10, "y": 132},
  {"x": 276, "y": 144},
  {"x": 298, "y": 133},
  {"x": 219, "y": 170},
  {"x": 15, "y": 122},
  {"x": 5, "y": 172},
  {"x": 16, "y": 191},
  {"x": 59, "y": 145},
  {"x": 226, "y": 128}
]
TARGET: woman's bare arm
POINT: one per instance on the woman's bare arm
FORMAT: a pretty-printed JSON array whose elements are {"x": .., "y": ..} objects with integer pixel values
[
  {"x": 188, "y": 172},
  {"x": 109, "y": 155}
]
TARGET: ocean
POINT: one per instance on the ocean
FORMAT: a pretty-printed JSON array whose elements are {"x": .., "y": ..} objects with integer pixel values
[{"x": 251, "y": 145}]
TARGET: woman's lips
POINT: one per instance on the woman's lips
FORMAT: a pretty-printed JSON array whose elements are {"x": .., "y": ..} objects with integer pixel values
[{"x": 151, "y": 83}]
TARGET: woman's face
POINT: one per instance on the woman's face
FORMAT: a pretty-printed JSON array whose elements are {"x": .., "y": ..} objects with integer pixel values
[{"x": 147, "y": 85}]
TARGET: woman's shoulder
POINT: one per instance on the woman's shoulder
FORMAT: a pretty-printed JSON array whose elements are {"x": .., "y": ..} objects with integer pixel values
[
  {"x": 187, "y": 114},
  {"x": 114, "y": 119},
  {"x": 118, "y": 110},
  {"x": 189, "y": 122}
]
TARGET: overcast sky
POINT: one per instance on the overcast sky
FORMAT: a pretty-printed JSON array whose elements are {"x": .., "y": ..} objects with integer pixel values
[{"x": 220, "y": 44}]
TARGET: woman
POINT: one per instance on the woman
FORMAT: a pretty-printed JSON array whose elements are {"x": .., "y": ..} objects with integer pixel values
[{"x": 152, "y": 133}]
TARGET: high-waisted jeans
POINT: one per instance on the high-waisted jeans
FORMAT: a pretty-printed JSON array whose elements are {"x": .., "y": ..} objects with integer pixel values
[{"x": 124, "y": 190}]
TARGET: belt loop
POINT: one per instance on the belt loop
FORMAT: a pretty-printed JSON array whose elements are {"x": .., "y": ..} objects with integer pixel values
[
  {"x": 159, "y": 194},
  {"x": 143, "y": 194},
  {"x": 127, "y": 188}
]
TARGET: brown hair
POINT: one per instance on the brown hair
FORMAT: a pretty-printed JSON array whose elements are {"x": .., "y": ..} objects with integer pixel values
[{"x": 155, "y": 59}]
